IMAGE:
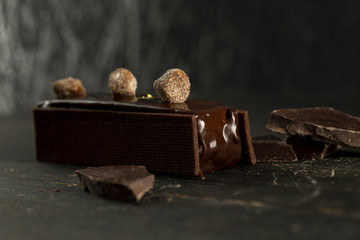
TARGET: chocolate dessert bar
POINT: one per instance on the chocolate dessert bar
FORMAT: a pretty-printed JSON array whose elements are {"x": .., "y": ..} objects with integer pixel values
[
  {"x": 126, "y": 183},
  {"x": 190, "y": 138}
]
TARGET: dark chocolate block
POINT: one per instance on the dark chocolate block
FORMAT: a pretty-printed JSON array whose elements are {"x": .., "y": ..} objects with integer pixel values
[
  {"x": 188, "y": 138},
  {"x": 321, "y": 123},
  {"x": 273, "y": 149},
  {"x": 307, "y": 148},
  {"x": 127, "y": 183}
]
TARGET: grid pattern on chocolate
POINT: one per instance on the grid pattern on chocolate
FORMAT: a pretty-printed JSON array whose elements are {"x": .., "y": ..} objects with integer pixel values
[{"x": 161, "y": 142}]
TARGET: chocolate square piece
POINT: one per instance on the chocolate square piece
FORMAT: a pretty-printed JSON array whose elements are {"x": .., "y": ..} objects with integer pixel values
[
  {"x": 273, "y": 149},
  {"x": 190, "y": 138},
  {"x": 127, "y": 183}
]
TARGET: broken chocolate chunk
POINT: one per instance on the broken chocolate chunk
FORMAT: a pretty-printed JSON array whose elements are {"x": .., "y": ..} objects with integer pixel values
[
  {"x": 272, "y": 149},
  {"x": 126, "y": 183},
  {"x": 248, "y": 153},
  {"x": 323, "y": 124},
  {"x": 307, "y": 148}
]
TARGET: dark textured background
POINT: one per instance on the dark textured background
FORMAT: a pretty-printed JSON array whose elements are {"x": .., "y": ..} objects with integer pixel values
[
  {"x": 256, "y": 55},
  {"x": 257, "y": 46}
]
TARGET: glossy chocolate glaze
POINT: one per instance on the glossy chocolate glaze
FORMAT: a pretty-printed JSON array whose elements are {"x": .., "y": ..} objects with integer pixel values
[
  {"x": 218, "y": 133},
  {"x": 219, "y": 139}
]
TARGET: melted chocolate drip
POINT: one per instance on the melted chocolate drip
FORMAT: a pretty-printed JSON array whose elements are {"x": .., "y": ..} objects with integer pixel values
[{"x": 219, "y": 139}]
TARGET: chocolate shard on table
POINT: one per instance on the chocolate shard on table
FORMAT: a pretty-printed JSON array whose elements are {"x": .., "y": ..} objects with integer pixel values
[
  {"x": 126, "y": 183},
  {"x": 190, "y": 138},
  {"x": 323, "y": 124},
  {"x": 248, "y": 153},
  {"x": 308, "y": 148},
  {"x": 272, "y": 149}
]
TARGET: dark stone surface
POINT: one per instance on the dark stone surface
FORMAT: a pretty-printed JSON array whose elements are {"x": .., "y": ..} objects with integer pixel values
[
  {"x": 300, "y": 200},
  {"x": 305, "y": 200}
]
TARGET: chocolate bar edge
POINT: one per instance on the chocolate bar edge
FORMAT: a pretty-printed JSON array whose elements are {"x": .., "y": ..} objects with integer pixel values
[{"x": 247, "y": 148}]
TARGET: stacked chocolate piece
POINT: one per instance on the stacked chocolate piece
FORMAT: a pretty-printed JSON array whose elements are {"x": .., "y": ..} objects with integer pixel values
[{"x": 312, "y": 133}]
